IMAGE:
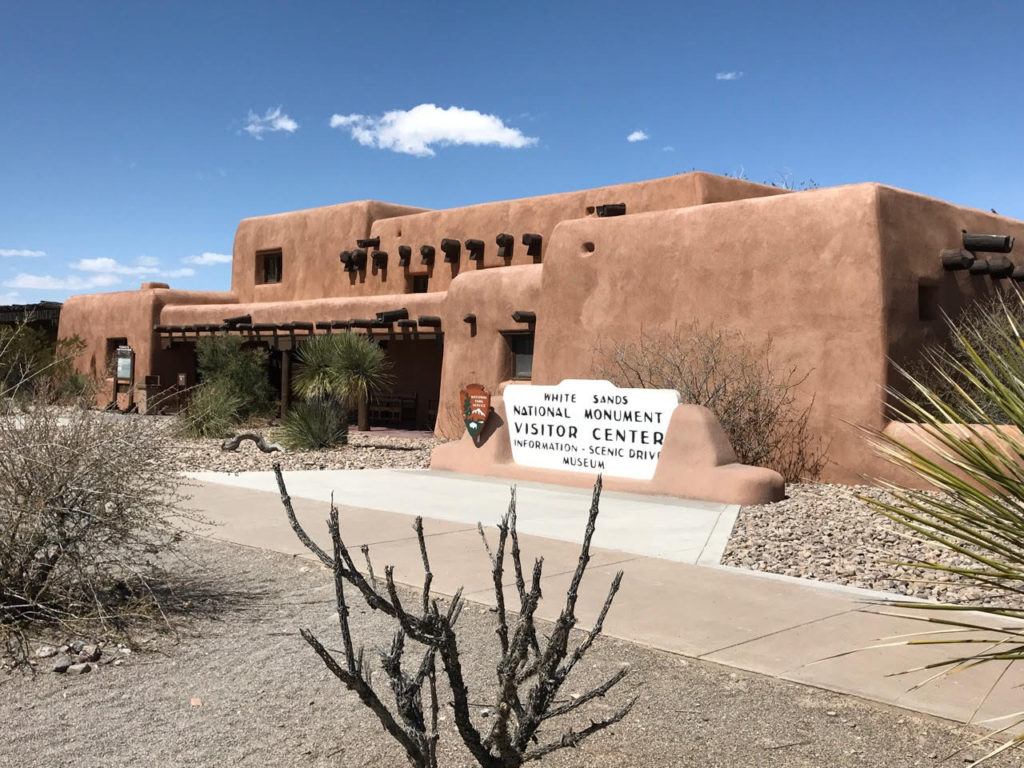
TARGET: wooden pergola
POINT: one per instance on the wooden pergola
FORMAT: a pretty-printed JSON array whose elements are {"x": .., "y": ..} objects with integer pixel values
[{"x": 394, "y": 325}]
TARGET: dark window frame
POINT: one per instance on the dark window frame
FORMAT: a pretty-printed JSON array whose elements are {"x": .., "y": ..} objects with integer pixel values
[
  {"x": 513, "y": 339},
  {"x": 417, "y": 281},
  {"x": 270, "y": 263}
]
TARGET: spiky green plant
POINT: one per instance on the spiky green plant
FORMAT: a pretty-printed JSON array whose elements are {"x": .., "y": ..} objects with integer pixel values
[
  {"x": 978, "y": 466},
  {"x": 314, "y": 425},
  {"x": 213, "y": 411},
  {"x": 346, "y": 367}
]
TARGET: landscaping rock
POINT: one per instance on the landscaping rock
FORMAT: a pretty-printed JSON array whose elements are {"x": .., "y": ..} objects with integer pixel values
[
  {"x": 62, "y": 663},
  {"x": 79, "y": 669},
  {"x": 89, "y": 653},
  {"x": 826, "y": 533},
  {"x": 45, "y": 651}
]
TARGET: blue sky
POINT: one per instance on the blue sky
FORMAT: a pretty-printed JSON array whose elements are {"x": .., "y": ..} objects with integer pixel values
[{"x": 135, "y": 136}]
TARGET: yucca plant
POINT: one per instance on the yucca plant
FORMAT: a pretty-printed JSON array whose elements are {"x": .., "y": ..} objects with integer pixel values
[
  {"x": 977, "y": 465},
  {"x": 345, "y": 367},
  {"x": 314, "y": 425},
  {"x": 213, "y": 411}
]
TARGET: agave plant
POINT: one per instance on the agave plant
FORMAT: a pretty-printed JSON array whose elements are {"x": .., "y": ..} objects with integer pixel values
[
  {"x": 345, "y": 367},
  {"x": 973, "y": 454}
]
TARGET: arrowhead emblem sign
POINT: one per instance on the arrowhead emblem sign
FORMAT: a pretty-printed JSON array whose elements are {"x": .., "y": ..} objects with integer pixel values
[{"x": 476, "y": 407}]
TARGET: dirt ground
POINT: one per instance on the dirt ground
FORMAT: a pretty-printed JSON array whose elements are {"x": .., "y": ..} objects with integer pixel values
[{"x": 240, "y": 687}]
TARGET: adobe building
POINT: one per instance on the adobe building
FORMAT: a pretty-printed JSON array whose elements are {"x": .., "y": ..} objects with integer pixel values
[{"x": 843, "y": 280}]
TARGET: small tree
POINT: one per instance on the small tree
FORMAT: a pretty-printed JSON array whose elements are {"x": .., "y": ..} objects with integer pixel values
[
  {"x": 345, "y": 367},
  {"x": 530, "y": 673},
  {"x": 755, "y": 403}
]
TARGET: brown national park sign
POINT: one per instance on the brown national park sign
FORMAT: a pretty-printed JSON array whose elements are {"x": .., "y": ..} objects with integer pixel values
[{"x": 476, "y": 407}]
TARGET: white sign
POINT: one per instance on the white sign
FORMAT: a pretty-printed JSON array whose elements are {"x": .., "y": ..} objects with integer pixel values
[
  {"x": 583, "y": 425},
  {"x": 124, "y": 363}
]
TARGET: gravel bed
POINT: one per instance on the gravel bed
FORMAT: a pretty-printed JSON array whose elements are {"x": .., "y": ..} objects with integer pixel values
[
  {"x": 824, "y": 532},
  {"x": 364, "y": 450},
  {"x": 238, "y": 686}
]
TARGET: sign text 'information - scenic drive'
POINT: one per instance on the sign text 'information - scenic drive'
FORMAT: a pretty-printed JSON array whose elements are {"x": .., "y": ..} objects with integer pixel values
[{"x": 583, "y": 425}]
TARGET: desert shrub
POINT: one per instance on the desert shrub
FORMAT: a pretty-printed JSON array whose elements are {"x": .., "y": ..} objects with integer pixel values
[
  {"x": 983, "y": 319},
  {"x": 213, "y": 410},
  {"x": 531, "y": 666},
  {"x": 718, "y": 369},
  {"x": 314, "y": 425},
  {"x": 85, "y": 505},
  {"x": 238, "y": 369},
  {"x": 976, "y": 467},
  {"x": 345, "y": 367}
]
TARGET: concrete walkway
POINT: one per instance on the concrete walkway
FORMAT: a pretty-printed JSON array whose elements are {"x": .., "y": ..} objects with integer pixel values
[{"x": 786, "y": 628}]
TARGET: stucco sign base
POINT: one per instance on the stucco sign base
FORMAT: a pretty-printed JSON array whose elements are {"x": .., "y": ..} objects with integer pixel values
[{"x": 697, "y": 462}]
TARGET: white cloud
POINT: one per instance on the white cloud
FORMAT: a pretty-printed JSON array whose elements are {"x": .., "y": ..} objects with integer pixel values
[
  {"x": 274, "y": 120},
  {"x": 413, "y": 131},
  {"x": 668, "y": 149},
  {"x": 111, "y": 266},
  {"x": 147, "y": 265},
  {"x": 206, "y": 259},
  {"x": 636, "y": 136},
  {"x": 71, "y": 283},
  {"x": 22, "y": 253},
  {"x": 728, "y": 75},
  {"x": 101, "y": 272},
  {"x": 9, "y": 297}
]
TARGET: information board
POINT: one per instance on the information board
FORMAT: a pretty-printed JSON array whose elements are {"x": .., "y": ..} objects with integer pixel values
[
  {"x": 586, "y": 425},
  {"x": 124, "y": 363}
]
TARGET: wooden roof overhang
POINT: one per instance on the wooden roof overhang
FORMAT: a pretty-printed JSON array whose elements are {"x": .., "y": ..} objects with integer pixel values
[
  {"x": 289, "y": 335},
  {"x": 42, "y": 313}
]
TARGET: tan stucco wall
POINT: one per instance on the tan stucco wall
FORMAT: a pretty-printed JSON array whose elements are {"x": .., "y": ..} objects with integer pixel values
[
  {"x": 539, "y": 215},
  {"x": 800, "y": 269},
  {"x": 125, "y": 314},
  {"x": 311, "y": 241}
]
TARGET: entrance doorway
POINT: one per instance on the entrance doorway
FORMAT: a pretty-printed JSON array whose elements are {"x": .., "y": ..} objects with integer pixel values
[{"x": 413, "y": 400}]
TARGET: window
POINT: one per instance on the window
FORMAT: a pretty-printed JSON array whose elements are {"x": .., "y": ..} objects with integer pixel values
[
  {"x": 418, "y": 284},
  {"x": 269, "y": 264},
  {"x": 521, "y": 348},
  {"x": 110, "y": 363}
]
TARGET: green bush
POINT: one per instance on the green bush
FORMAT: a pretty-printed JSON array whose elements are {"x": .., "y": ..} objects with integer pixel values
[
  {"x": 239, "y": 370},
  {"x": 345, "y": 367},
  {"x": 213, "y": 411},
  {"x": 75, "y": 387},
  {"x": 314, "y": 425},
  {"x": 33, "y": 362}
]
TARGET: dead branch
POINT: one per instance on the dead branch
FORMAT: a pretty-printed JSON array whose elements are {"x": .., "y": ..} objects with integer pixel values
[{"x": 529, "y": 674}]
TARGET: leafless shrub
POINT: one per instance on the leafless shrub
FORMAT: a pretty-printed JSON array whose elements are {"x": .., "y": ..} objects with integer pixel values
[
  {"x": 718, "y": 369},
  {"x": 85, "y": 509},
  {"x": 529, "y": 673}
]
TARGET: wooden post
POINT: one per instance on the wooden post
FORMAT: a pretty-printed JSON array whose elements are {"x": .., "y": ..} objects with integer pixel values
[{"x": 286, "y": 380}]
